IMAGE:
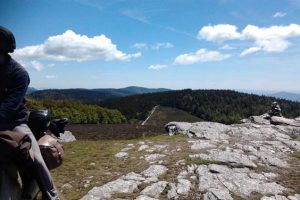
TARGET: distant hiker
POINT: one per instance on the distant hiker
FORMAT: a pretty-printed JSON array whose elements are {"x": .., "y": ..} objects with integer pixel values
[
  {"x": 275, "y": 110},
  {"x": 14, "y": 81}
]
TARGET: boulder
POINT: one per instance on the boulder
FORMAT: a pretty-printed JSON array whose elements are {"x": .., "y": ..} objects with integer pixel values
[{"x": 67, "y": 136}]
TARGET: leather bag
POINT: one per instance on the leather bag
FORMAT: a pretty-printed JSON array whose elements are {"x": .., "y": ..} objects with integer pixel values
[
  {"x": 14, "y": 145},
  {"x": 52, "y": 151}
]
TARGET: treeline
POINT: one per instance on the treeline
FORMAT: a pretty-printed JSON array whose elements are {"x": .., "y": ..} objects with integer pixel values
[
  {"x": 83, "y": 95},
  {"x": 225, "y": 106},
  {"x": 77, "y": 112}
]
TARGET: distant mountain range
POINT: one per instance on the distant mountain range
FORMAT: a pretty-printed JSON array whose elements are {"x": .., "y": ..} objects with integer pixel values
[
  {"x": 90, "y": 95},
  {"x": 281, "y": 95},
  {"x": 31, "y": 90},
  {"x": 286, "y": 95}
]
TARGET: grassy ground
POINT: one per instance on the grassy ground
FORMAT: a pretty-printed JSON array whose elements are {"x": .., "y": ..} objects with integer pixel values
[{"x": 94, "y": 162}]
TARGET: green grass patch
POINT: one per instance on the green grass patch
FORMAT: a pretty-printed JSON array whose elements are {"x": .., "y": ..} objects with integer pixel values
[
  {"x": 200, "y": 161},
  {"x": 296, "y": 155}
]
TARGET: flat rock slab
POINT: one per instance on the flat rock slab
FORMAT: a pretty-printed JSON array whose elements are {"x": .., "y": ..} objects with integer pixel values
[
  {"x": 155, "y": 189},
  {"x": 232, "y": 158},
  {"x": 240, "y": 181},
  {"x": 125, "y": 184}
]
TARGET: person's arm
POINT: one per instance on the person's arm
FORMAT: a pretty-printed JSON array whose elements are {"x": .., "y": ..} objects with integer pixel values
[{"x": 14, "y": 99}]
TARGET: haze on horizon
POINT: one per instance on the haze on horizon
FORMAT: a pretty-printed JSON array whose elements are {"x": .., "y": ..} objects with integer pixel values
[{"x": 208, "y": 44}]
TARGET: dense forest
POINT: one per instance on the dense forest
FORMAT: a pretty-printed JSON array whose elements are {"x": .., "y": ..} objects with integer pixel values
[
  {"x": 77, "y": 112},
  {"x": 83, "y": 95},
  {"x": 90, "y": 95},
  {"x": 225, "y": 106}
]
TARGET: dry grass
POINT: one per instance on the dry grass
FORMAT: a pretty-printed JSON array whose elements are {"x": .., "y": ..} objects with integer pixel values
[
  {"x": 80, "y": 154},
  {"x": 85, "y": 159}
]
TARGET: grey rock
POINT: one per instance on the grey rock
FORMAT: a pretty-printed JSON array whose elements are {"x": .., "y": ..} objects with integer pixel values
[
  {"x": 67, "y": 136},
  {"x": 276, "y": 197},
  {"x": 153, "y": 157},
  {"x": 144, "y": 197},
  {"x": 183, "y": 186},
  {"x": 257, "y": 120},
  {"x": 106, "y": 191},
  {"x": 228, "y": 157},
  {"x": 126, "y": 149},
  {"x": 209, "y": 130},
  {"x": 121, "y": 155},
  {"x": 172, "y": 193},
  {"x": 155, "y": 189},
  {"x": 133, "y": 176},
  {"x": 143, "y": 147},
  {"x": 240, "y": 182},
  {"x": 199, "y": 145},
  {"x": 155, "y": 171},
  {"x": 294, "y": 197},
  {"x": 284, "y": 121},
  {"x": 181, "y": 127},
  {"x": 216, "y": 194}
]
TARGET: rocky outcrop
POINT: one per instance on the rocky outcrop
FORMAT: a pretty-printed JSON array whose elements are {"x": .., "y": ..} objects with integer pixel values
[{"x": 224, "y": 162}]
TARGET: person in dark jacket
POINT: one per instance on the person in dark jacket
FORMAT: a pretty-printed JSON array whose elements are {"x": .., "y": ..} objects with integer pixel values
[{"x": 14, "y": 81}]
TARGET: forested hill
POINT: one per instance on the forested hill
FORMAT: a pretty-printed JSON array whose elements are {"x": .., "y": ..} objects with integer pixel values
[
  {"x": 91, "y": 95},
  {"x": 225, "y": 106},
  {"x": 77, "y": 112}
]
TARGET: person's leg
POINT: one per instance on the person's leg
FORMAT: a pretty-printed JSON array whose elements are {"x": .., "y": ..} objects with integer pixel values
[{"x": 41, "y": 172}]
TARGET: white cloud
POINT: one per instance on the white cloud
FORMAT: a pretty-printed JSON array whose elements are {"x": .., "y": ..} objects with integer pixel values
[
  {"x": 32, "y": 64},
  {"x": 140, "y": 46},
  {"x": 73, "y": 47},
  {"x": 165, "y": 45},
  {"x": 156, "y": 46},
  {"x": 202, "y": 55},
  {"x": 279, "y": 15},
  {"x": 227, "y": 47},
  {"x": 157, "y": 67},
  {"x": 269, "y": 39},
  {"x": 219, "y": 33},
  {"x": 250, "y": 50},
  {"x": 51, "y": 76}
]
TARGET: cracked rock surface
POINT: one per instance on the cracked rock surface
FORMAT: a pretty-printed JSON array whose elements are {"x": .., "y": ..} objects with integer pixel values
[{"x": 215, "y": 162}]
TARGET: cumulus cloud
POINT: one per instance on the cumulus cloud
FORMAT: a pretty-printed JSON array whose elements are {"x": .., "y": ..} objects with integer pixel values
[
  {"x": 157, "y": 67},
  {"x": 269, "y": 39},
  {"x": 37, "y": 66},
  {"x": 202, "y": 55},
  {"x": 219, "y": 33},
  {"x": 71, "y": 46},
  {"x": 279, "y": 15},
  {"x": 51, "y": 76}
]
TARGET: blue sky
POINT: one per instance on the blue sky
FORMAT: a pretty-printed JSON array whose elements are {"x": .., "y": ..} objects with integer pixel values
[{"x": 219, "y": 44}]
